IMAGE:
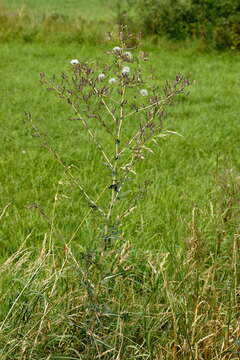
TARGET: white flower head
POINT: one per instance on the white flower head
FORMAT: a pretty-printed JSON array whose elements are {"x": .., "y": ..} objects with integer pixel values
[
  {"x": 144, "y": 92},
  {"x": 101, "y": 77},
  {"x": 74, "y": 62},
  {"x": 128, "y": 55},
  {"x": 112, "y": 80},
  {"x": 116, "y": 49},
  {"x": 125, "y": 70}
]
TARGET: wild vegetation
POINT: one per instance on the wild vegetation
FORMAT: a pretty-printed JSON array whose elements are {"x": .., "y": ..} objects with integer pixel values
[
  {"x": 159, "y": 277},
  {"x": 216, "y": 23}
]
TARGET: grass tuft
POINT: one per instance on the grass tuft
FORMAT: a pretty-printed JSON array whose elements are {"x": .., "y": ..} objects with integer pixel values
[{"x": 123, "y": 303}]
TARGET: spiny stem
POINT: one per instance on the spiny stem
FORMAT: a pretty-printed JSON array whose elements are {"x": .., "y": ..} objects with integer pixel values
[{"x": 115, "y": 190}]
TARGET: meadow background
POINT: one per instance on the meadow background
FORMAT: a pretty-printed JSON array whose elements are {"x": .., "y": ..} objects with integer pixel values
[{"x": 172, "y": 290}]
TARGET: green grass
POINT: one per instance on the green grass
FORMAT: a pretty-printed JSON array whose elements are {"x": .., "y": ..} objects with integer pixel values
[
  {"x": 170, "y": 291},
  {"x": 93, "y": 9},
  {"x": 57, "y": 21},
  {"x": 182, "y": 172}
]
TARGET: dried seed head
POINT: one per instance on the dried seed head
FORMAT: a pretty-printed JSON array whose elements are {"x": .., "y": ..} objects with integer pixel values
[
  {"x": 125, "y": 70},
  {"x": 74, "y": 62},
  {"x": 128, "y": 55},
  {"x": 116, "y": 49},
  {"x": 144, "y": 92},
  {"x": 101, "y": 77},
  {"x": 112, "y": 80}
]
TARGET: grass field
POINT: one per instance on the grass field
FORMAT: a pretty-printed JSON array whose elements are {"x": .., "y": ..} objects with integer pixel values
[
  {"x": 170, "y": 290},
  {"x": 93, "y": 9},
  {"x": 183, "y": 171}
]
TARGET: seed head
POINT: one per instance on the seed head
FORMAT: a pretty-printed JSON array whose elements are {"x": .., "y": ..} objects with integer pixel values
[
  {"x": 125, "y": 70},
  {"x": 128, "y": 55},
  {"x": 144, "y": 92},
  {"x": 101, "y": 77},
  {"x": 116, "y": 49},
  {"x": 74, "y": 62},
  {"x": 112, "y": 80}
]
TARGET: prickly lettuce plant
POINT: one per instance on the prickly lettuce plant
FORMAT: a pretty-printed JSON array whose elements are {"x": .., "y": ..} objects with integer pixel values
[{"x": 121, "y": 109}]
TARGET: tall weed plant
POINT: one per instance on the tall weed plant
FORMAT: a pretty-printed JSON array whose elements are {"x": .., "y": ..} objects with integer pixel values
[
  {"x": 110, "y": 300},
  {"x": 121, "y": 109}
]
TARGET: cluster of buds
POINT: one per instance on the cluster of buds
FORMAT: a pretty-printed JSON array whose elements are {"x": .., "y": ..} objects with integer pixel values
[
  {"x": 125, "y": 70},
  {"x": 106, "y": 83},
  {"x": 87, "y": 84}
]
